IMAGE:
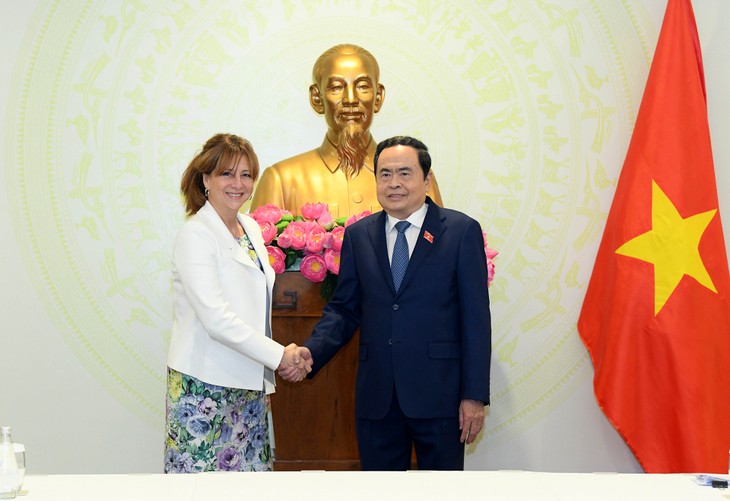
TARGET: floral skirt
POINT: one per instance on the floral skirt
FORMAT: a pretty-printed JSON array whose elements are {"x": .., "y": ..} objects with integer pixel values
[{"x": 214, "y": 428}]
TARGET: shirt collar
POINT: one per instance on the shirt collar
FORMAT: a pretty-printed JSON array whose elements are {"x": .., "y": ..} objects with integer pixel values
[{"x": 416, "y": 219}]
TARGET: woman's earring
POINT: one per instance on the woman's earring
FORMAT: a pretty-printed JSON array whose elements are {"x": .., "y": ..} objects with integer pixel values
[{"x": 206, "y": 192}]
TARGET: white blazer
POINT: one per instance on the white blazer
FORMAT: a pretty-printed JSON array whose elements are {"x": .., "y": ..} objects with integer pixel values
[{"x": 220, "y": 310}]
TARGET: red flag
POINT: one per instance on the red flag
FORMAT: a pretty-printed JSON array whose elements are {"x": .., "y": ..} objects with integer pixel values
[{"x": 656, "y": 316}]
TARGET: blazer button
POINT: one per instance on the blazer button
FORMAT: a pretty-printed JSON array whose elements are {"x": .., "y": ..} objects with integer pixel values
[
  {"x": 390, "y": 342},
  {"x": 395, "y": 306}
]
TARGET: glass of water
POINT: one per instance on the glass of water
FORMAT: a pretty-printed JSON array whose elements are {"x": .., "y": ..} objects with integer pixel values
[{"x": 20, "y": 459}]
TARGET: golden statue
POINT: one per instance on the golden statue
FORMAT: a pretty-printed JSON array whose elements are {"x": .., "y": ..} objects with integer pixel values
[{"x": 340, "y": 172}]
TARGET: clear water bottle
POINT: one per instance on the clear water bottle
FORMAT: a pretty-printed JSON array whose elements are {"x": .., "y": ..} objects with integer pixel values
[{"x": 8, "y": 465}]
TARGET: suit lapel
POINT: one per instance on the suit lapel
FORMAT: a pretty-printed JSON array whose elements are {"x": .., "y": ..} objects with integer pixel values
[
  {"x": 224, "y": 237},
  {"x": 376, "y": 232}
]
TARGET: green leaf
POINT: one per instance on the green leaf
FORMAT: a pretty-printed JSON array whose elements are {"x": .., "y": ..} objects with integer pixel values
[
  {"x": 291, "y": 257},
  {"x": 328, "y": 286}
]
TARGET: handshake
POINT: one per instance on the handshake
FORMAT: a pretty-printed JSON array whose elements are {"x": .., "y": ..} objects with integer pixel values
[{"x": 295, "y": 364}]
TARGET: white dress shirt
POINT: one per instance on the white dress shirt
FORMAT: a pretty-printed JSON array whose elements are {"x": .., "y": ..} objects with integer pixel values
[{"x": 411, "y": 233}]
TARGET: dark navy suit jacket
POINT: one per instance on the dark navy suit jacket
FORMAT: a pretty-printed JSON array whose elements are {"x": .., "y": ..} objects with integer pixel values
[{"x": 432, "y": 340}]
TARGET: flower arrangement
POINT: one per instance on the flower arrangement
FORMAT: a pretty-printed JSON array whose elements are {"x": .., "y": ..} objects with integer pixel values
[
  {"x": 491, "y": 253},
  {"x": 312, "y": 242}
]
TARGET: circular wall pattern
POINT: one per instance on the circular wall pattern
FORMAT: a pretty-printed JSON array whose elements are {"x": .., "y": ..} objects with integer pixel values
[{"x": 527, "y": 107}]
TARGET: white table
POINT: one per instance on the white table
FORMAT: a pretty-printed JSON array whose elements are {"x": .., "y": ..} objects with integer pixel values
[{"x": 371, "y": 486}]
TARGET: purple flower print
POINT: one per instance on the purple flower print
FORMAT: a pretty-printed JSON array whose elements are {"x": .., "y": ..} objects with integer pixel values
[
  {"x": 178, "y": 463},
  {"x": 229, "y": 459}
]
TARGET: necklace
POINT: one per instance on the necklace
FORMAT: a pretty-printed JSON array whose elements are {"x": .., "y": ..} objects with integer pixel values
[{"x": 238, "y": 232}]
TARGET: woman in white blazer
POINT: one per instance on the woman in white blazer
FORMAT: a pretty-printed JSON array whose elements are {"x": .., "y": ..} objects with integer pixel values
[{"x": 222, "y": 359}]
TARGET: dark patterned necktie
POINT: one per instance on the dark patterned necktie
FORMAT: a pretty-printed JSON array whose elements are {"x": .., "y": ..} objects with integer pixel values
[{"x": 399, "y": 263}]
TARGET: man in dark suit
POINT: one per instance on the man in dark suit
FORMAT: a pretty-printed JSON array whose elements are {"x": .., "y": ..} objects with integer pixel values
[{"x": 425, "y": 335}]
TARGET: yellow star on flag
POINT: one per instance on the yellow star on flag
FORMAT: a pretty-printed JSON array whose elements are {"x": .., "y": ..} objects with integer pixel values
[{"x": 672, "y": 246}]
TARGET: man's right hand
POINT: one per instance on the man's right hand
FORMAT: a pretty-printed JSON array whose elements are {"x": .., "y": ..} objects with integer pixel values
[{"x": 295, "y": 364}]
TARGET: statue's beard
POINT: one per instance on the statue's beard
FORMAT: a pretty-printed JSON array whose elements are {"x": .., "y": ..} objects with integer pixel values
[{"x": 352, "y": 149}]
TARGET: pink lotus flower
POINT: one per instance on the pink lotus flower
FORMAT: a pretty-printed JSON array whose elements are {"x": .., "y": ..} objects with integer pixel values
[
  {"x": 357, "y": 217},
  {"x": 297, "y": 232},
  {"x": 490, "y": 271},
  {"x": 268, "y": 212},
  {"x": 329, "y": 240},
  {"x": 284, "y": 240},
  {"x": 490, "y": 254},
  {"x": 332, "y": 260},
  {"x": 313, "y": 211},
  {"x": 318, "y": 213},
  {"x": 326, "y": 220},
  {"x": 313, "y": 267},
  {"x": 316, "y": 239},
  {"x": 268, "y": 231},
  {"x": 277, "y": 259},
  {"x": 338, "y": 233}
]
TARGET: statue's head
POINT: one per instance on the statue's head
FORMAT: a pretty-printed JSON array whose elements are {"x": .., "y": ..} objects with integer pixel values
[{"x": 346, "y": 91}]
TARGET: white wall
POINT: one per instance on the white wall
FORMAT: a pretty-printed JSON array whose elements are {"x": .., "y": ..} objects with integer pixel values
[{"x": 527, "y": 106}]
